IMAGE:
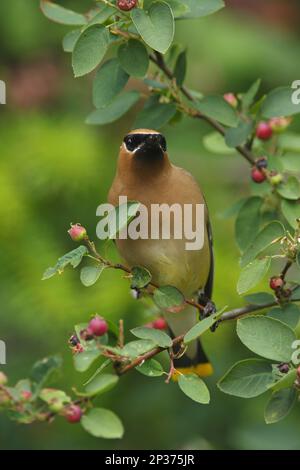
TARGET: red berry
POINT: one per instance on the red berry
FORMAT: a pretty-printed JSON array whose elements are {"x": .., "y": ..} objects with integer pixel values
[
  {"x": 126, "y": 5},
  {"x": 26, "y": 394},
  {"x": 73, "y": 413},
  {"x": 264, "y": 131},
  {"x": 257, "y": 175},
  {"x": 77, "y": 232},
  {"x": 231, "y": 99},
  {"x": 276, "y": 282},
  {"x": 98, "y": 326},
  {"x": 160, "y": 324}
]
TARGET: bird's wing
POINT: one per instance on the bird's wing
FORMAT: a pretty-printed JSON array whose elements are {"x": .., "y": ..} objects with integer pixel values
[{"x": 210, "y": 280}]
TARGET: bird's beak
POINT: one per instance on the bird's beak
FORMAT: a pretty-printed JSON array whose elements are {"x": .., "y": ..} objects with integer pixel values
[{"x": 150, "y": 148}]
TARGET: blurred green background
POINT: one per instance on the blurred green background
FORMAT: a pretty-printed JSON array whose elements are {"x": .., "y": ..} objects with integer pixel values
[{"x": 55, "y": 170}]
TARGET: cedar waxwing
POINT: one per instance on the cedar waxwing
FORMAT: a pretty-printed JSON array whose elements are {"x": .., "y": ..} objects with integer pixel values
[{"x": 145, "y": 174}]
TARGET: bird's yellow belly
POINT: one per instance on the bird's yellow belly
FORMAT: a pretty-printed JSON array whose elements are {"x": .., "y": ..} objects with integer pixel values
[{"x": 169, "y": 262}]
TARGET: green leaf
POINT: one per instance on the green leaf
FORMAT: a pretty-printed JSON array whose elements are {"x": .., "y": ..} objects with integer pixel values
[
  {"x": 249, "y": 96},
  {"x": 121, "y": 216},
  {"x": 150, "y": 368},
  {"x": 180, "y": 68},
  {"x": 296, "y": 294},
  {"x": 248, "y": 221},
  {"x": 198, "y": 9},
  {"x": 89, "y": 49},
  {"x": 60, "y": 14},
  {"x": 70, "y": 39},
  {"x": 154, "y": 115},
  {"x": 156, "y": 26},
  {"x": 286, "y": 381},
  {"x": 279, "y": 405},
  {"x": 232, "y": 210},
  {"x": 291, "y": 211},
  {"x": 103, "y": 15},
  {"x": 168, "y": 297},
  {"x": 84, "y": 360},
  {"x": 289, "y": 314},
  {"x": 236, "y": 136},
  {"x": 259, "y": 298},
  {"x": 90, "y": 274},
  {"x": 100, "y": 384},
  {"x": 52, "y": 395},
  {"x": 215, "y": 143},
  {"x": 140, "y": 277},
  {"x": 279, "y": 103},
  {"x": 178, "y": 8},
  {"x": 252, "y": 274},
  {"x": 100, "y": 422},
  {"x": 197, "y": 330},
  {"x": 44, "y": 371},
  {"x": 110, "y": 79},
  {"x": 290, "y": 189},
  {"x": 110, "y": 113},
  {"x": 134, "y": 349},
  {"x": 247, "y": 379},
  {"x": 289, "y": 141},
  {"x": 133, "y": 57},
  {"x": 160, "y": 338},
  {"x": 217, "y": 108},
  {"x": 72, "y": 258},
  {"x": 270, "y": 234},
  {"x": 194, "y": 387},
  {"x": 266, "y": 337}
]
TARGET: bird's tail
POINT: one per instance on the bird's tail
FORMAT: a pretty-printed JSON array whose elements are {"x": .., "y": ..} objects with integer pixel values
[{"x": 199, "y": 364}]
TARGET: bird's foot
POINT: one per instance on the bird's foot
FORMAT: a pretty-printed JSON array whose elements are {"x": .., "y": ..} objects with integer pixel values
[
  {"x": 209, "y": 306},
  {"x": 209, "y": 309}
]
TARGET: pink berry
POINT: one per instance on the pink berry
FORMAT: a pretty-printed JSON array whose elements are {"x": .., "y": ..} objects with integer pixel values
[
  {"x": 231, "y": 99},
  {"x": 279, "y": 124},
  {"x": 257, "y": 175},
  {"x": 160, "y": 324},
  {"x": 264, "y": 131},
  {"x": 98, "y": 326},
  {"x": 73, "y": 413},
  {"x": 77, "y": 232},
  {"x": 126, "y": 5},
  {"x": 26, "y": 395},
  {"x": 276, "y": 282}
]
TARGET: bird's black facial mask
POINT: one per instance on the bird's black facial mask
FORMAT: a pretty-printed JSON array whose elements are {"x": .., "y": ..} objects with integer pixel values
[{"x": 150, "y": 146}]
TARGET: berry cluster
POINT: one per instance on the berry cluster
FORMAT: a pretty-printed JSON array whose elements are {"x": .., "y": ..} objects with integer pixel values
[
  {"x": 265, "y": 129},
  {"x": 97, "y": 327}
]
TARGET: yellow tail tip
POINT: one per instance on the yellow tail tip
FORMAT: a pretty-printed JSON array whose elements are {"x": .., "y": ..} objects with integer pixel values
[{"x": 202, "y": 370}]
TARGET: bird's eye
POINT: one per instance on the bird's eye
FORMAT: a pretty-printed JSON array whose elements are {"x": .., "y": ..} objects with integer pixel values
[{"x": 130, "y": 144}]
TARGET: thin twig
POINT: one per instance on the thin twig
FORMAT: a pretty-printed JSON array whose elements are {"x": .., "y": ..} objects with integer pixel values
[{"x": 158, "y": 59}]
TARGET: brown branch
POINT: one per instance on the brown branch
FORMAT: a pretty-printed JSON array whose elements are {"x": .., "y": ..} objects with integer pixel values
[
  {"x": 148, "y": 355},
  {"x": 287, "y": 266},
  {"x": 158, "y": 60}
]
